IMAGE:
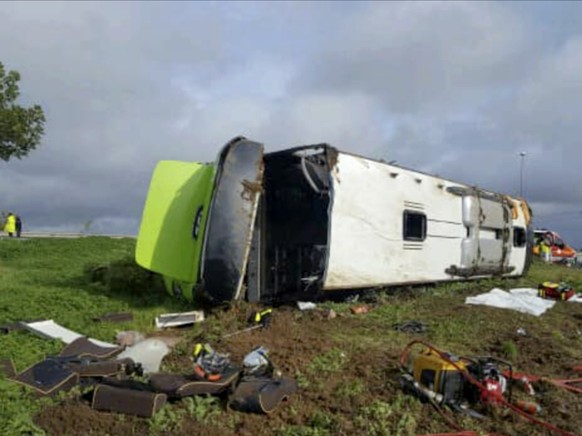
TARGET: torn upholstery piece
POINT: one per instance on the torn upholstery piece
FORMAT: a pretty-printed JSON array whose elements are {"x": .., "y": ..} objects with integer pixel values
[
  {"x": 180, "y": 386},
  {"x": 84, "y": 347},
  {"x": 105, "y": 368},
  {"x": 48, "y": 377},
  {"x": 129, "y": 401},
  {"x": 261, "y": 394}
]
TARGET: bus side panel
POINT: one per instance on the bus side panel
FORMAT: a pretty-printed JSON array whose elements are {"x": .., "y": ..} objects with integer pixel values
[{"x": 367, "y": 245}]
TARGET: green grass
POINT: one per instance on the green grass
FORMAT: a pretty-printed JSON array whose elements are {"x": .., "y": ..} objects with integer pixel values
[{"x": 45, "y": 279}]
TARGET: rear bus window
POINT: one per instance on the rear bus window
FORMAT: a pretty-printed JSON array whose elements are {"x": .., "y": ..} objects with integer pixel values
[{"x": 414, "y": 226}]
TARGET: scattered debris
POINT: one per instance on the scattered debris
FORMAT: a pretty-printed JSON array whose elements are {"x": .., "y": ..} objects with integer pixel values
[
  {"x": 352, "y": 299},
  {"x": 262, "y": 388},
  {"x": 261, "y": 394},
  {"x": 84, "y": 347},
  {"x": 521, "y": 331},
  {"x": 10, "y": 327},
  {"x": 128, "y": 401},
  {"x": 179, "y": 319},
  {"x": 48, "y": 377},
  {"x": 522, "y": 300},
  {"x": 149, "y": 353},
  {"x": 527, "y": 387},
  {"x": 51, "y": 330},
  {"x": 410, "y": 327},
  {"x": 358, "y": 310},
  {"x": 528, "y": 406},
  {"x": 256, "y": 361},
  {"x": 104, "y": 368},
  {"x": 260, "y": 319},
  {"x": 329, "y": 313},
  {"x": 115, "y": 317},
  {"x": 177, "y": 386},
  {"x": 209, "y": 364},
  {"x": 306, "y": 305},
  {"x": 128, "y": 338}
]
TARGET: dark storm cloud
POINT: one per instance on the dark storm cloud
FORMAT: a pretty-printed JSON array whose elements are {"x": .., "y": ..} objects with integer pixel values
[
  {"x": 103, "y": 73},
  {"x": 464, "y": 87}
]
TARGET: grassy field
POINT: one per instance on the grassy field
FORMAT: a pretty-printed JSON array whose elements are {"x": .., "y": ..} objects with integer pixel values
[{"x": 346, "y": 367}]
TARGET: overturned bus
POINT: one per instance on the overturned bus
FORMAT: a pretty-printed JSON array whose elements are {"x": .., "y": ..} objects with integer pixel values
[{"x": 307, "y": 221}]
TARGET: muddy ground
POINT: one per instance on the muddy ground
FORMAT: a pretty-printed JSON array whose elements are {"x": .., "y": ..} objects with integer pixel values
[{"x": 348, "y": 372}]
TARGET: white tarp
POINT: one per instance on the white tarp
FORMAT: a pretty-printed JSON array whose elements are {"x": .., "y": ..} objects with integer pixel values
[
  {"x": 523, "y": 300},
  {"x": 51, "y": 330}
]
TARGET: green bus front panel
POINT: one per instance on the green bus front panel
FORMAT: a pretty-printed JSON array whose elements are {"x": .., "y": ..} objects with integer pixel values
[{"x": 171, "y": 236}]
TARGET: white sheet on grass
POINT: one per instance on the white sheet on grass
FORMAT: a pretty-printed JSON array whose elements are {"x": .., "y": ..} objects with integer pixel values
[{"x": 523, "y": 300}]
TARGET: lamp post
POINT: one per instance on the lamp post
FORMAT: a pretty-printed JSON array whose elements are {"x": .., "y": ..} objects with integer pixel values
[{"x": 522, "y": 155}]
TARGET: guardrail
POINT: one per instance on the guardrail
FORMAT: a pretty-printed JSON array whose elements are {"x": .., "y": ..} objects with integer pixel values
[{"x": 68, "y": 235}]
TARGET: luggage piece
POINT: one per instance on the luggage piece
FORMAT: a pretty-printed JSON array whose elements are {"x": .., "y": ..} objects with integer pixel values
[
  {"x": 128, "y": 401},
  {"x": 83, "y": 347},
  {"x": 47, "y": 377},
  {"x": 180, "y": 386},
  {"x": 261, "y": 394}
]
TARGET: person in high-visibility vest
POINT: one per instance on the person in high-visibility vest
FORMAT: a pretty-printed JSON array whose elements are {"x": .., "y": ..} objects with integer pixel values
[
  {"x": 546, "y": 247},
  {"x": 10, "y": 226}
]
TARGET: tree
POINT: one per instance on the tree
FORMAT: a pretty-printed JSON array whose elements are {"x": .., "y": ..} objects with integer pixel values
[{"x": 21, "y": 128}]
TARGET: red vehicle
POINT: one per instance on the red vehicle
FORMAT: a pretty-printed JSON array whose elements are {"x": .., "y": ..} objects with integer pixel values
[{"x": 559, "y": 249}]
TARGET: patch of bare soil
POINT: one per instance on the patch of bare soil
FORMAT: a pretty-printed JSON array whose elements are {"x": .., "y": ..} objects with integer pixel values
[
  {"x": 294, "y": 339},
  {"x": 339, "y": 379},
  {"x": 77, "y": 418}
]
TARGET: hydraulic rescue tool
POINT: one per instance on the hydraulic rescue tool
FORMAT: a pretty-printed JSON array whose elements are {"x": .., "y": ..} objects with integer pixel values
[
  {"x": 556, "y": 291},
  {"x": 462, "y": 383}
]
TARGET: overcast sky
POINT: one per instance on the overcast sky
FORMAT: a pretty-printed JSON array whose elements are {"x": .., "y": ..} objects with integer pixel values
[{"x": 456, "y": 89}]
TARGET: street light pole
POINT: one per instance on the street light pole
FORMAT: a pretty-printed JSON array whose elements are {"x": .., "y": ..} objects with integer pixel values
[{"x": 522, "y": 155}]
